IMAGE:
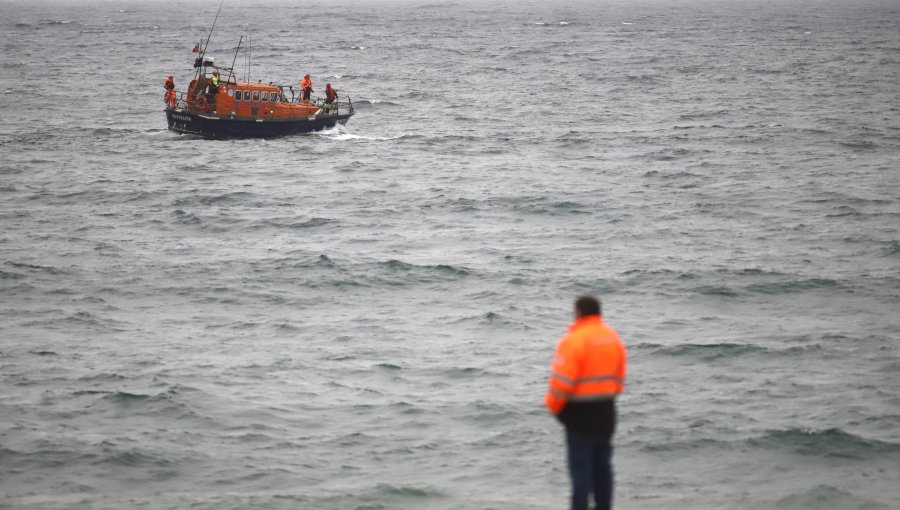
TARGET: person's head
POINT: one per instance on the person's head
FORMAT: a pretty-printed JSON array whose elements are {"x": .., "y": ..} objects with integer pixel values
[
  {"x": 171, "y": 78},
  {"x": 215, "y": 73},
  {"x": 307, "y": 76},
  {"x": 586, "y": 306},
  {"x": 327, "y": 85}
]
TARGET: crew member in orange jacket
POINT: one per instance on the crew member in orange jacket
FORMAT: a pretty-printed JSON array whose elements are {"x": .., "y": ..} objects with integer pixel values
[
  {"x": 169, "y": 98},
  {"x": 306, "y": 88},
  {"x": 587, "y": 373}
]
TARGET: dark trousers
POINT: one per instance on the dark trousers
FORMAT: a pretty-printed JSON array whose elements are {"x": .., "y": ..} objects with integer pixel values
[{"x": 590, "y": 468}]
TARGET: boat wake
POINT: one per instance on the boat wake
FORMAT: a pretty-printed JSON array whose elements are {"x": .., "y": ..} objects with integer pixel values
[{"x": 340, "y": 133}]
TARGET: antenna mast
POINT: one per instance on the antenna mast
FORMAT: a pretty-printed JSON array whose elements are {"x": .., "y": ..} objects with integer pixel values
[
  {"x": 235, "y": 57},
  {"x": 203, "y": 50}
]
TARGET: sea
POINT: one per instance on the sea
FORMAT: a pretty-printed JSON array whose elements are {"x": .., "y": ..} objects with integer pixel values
[{"x": 363, "y": 318}]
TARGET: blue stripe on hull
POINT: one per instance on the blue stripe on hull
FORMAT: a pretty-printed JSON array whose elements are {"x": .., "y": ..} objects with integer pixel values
[{"x": 223, "y": 127}]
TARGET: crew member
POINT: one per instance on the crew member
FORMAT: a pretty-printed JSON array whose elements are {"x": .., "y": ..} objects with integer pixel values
[
  {"x": 330, "y": 97},
  {"x": 213, "y": 89},
  {"x": 306, "y": 88},
  {"x": 169, "y": 98},
  {"x": 587, "y": 373}
]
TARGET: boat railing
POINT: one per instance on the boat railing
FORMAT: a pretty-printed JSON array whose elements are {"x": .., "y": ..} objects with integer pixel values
[
  {"x": 335, "y": 108},
  {"x": 338, "y": 107},
  {"x": 180, "y": 100}
]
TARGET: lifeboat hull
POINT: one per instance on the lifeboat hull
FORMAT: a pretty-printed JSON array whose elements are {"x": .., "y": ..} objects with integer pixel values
[{"x": 185, "y": 121}]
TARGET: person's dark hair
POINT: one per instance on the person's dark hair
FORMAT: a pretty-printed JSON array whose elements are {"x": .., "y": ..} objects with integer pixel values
[{"x": 587, "y": 305}]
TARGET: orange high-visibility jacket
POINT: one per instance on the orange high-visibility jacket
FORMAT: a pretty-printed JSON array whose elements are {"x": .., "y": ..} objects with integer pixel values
[{"x": 589, "y": 365}]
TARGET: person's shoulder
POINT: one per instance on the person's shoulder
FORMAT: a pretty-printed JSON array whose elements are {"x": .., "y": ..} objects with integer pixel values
[{"x": 611, "y": 331}]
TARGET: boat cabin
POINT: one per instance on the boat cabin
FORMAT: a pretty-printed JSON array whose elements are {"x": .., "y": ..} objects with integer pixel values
[{"x": 244, "y": 99}]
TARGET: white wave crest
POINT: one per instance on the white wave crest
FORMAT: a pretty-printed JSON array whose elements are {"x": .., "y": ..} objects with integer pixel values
[{"x": 340, "y": 133}]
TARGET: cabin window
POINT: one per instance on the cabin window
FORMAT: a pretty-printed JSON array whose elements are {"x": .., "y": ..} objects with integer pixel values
[
  {"x": 274, "y": 96},
  {"x": 256, "y": 95},
  {"x": 265, "y": 96},
  {"x": 246, "y": 95}
]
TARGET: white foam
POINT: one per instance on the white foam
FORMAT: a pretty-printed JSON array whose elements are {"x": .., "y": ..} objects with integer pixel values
[{"x": 340, "y": 133}]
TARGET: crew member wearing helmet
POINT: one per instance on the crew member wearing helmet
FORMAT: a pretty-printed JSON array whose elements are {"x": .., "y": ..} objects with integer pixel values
[{"x": 306, "y": 88}]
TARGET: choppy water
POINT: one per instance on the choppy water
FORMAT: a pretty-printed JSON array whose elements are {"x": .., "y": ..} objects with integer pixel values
[{"x": 363, "y": 318}]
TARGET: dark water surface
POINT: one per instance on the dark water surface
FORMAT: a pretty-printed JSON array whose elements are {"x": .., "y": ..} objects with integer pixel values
[{"x": 363, "y": 318}]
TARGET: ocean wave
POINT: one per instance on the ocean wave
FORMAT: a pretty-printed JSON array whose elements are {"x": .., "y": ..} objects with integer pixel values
[
  {"x": 45, "y": 269},
  {"x": 493, "y": 320},
  {"x": 708, "y": 352},
  {"x": 793, "y": 286},
  {"x": 828, "y": 443},
  {"x": 716, "y": 291},
  {"x": 310, "y": 223},
  {"x": 88, "y": 319},
  {"x": 109, "y": 131},
  {"x": 125, "y": 397},
  {"x": 892, "y": 248},
  {"x": 405, "y": 491},
  {"x": 540, "y": 205},
  {"x": 831, "y": 443},
  {"x": 186, "y": 218},
  {"x": 134, "y": 458},
  {"x": 860, "y": 145},
  {"x": 438, "y": 271},
  {"x": 6, "y": 275},
  {"x": 340, "y": 133},
  {"x": 48, "y": 456},
  {"x": 44, "y": 353},
  {"x": 781, "y": 285},
  {"x": 552, "y": 23},
  {"x": 687, "y": 445},
  {"x": 324, "y": 261},
  {"x": 827, "y": 496},
  {"x": 225, "y": 198},
  {"x": 366, "y": 104}
]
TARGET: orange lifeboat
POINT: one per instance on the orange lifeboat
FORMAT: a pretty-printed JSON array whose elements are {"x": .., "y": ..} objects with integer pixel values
[{"x": 241, "y": 109}]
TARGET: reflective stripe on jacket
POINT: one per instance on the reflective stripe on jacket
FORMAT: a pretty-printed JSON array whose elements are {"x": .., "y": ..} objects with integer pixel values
[{"x": 589, "y": 365}]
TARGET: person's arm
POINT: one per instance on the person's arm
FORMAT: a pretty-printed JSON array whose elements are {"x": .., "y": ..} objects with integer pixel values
[{"x": 563, "y": 374}]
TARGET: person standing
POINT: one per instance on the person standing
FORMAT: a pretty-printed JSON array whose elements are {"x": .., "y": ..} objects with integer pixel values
[
  {"x": 586, "y": 376},
  {"x": 306, "y": 88},
  {"x": 330, "y": 97},
  {"x": 213, "y": 89},
  {"x": 169, "y": 98}
]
